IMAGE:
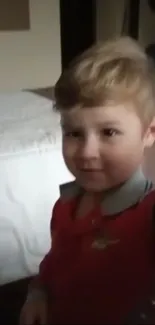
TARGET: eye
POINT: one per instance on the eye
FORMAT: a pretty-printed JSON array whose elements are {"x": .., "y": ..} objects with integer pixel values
[
  {"x": 109, "y": 132},
  {"x": 72, "y": 134}
]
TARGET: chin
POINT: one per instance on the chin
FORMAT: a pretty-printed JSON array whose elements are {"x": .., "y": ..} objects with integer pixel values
[{"x": 92, "y": 187}]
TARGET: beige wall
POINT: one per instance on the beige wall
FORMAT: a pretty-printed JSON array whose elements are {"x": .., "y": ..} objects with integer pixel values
[
  {"x": 146, "y": 24},
  {"x": 110, "y": 19},
  {"x": 30, "y": 59},
  {"x": 109, "y": 15}
]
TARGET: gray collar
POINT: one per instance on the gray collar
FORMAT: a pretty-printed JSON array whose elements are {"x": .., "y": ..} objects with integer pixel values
[{"x": 117, "y": 200}]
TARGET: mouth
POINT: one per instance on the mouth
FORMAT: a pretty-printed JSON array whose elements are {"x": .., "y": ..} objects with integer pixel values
[
  {"x": 91, "y": 170},
  {"x": 90, "y": 174}
]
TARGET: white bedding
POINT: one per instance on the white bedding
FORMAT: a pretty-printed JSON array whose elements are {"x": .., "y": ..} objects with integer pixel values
[{"x": 31, "y": 169}]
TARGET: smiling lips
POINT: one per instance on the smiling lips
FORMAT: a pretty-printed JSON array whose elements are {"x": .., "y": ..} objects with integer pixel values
[
  {"x": 91, "y": 172},
  {"x": 90, "y": 169}
]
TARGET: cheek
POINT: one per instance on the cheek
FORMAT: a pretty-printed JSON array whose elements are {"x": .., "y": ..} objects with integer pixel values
[
  {"x": 125, "y": 156},
  {"x": 68, "y": 150}
]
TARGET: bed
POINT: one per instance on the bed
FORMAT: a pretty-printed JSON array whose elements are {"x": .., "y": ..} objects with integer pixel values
[{"x": 31, "y": 169}]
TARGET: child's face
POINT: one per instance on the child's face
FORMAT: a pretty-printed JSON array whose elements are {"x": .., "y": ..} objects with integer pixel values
[{"x": 103, "y": 146}]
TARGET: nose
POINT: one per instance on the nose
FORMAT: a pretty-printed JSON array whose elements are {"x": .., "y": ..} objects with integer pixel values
[{"x": 89, "y": 148}]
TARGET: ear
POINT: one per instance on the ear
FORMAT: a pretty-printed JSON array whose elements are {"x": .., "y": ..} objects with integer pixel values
[{"x": 150, "y": 135}]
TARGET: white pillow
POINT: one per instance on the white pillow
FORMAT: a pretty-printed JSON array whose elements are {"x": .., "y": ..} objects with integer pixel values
[{"x": 27, "y": 122}]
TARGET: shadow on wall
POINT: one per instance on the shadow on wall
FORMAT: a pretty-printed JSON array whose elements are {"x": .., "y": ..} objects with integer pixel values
[
  {"x": 149, "y": 164},
  {"x": 149, "y": 161},
  {"x": 150, "y": 50}
]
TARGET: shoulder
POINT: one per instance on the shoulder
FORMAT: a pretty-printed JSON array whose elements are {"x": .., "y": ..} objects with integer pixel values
[
  {"x": 146, "y": 204},
  {"x": 146, "y": 207},
  {"x": 68, "y": 193},
  {"x": 149, "y": 196}
]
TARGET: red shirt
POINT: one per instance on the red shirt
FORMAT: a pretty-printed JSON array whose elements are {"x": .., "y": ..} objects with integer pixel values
[{"x": 100, "y": 267}]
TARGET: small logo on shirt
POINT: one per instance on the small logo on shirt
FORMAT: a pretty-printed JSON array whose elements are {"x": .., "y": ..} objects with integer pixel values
[{"x": 102, "y": 242}]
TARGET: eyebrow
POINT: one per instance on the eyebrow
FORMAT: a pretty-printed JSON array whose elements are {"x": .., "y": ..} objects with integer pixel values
[
  {"x": 106, "y": 124},
  {"x": 109, "y": 124},
  {"x": 67, "y": 128}
]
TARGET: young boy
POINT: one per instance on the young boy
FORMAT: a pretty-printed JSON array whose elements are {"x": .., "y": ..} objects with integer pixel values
[{"x": 100, "y": 269}]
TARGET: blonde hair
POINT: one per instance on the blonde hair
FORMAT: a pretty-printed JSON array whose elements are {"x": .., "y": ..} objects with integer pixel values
[{"x": 113, "y": 72}]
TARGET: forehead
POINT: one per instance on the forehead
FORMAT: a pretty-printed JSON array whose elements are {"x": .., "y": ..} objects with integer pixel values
[{"x": 118, "y": 114}]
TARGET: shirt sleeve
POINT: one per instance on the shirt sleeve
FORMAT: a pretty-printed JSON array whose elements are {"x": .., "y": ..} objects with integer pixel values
[{"x": 42, "y": 279}]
